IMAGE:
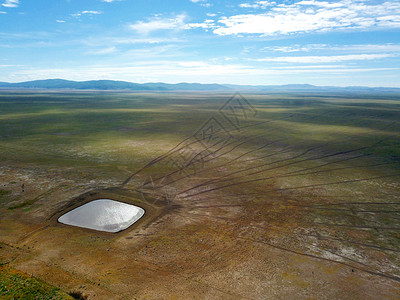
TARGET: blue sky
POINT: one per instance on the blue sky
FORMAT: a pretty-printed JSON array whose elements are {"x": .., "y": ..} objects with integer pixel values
[{"x": 345, "y": 42}]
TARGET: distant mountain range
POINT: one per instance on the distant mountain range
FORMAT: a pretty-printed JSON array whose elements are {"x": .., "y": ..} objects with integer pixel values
[{"x": 111, "y": 85}]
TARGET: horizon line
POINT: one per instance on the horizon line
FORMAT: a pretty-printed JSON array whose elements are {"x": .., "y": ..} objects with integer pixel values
[{"x": 202, "y": 83}]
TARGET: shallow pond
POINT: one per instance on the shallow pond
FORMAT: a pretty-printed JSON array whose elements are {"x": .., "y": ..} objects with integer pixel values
[{"x": 104, "y": 215}]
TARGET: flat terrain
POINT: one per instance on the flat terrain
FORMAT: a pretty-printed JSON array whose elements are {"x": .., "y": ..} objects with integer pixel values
[{"x": 260, "y": 196}]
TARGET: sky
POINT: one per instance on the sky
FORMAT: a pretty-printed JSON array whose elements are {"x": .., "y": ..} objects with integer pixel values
[{"x": 342, "y": 43}]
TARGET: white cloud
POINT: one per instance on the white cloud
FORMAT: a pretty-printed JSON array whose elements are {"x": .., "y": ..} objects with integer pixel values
[
  {"x": 368, "y": 48},
  {"x": 205, "y": 25},
  {"x": 87, "y": 12},
  {"x": 323, "y": 3},
  {"x": 152, "y": 53},
  {"x": 60, "y": 21},
  {"x": 311, "y": 16},
  {"x": 128, "y": 43},
  {"x": 11, "y": 3},
  {"x": 2, "y": 12},
  {"x": 325, "y": 59},
  {"x": 128, "y": 40},
  {"x": 158, "y": 23},
  {"x": 202, "y": 3},
  {"x": 296, "y": 48},
  {"x": 197, "y": 25},
  {"x": 11, "y": 66},
  {"x": 258, "y": 4},
  {"x": 91, "y": 12},
  {"x": 343, "y": 48},
  {"x": 103, "y": 51}
]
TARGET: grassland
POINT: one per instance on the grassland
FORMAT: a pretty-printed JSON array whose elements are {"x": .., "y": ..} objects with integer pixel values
[
  {"x": 18, "y": 285},
  {"x": 299, "y": 198}
]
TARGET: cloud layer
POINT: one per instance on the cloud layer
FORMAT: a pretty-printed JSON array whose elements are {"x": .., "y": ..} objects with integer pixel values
[
  {"x": 325, "y": 59},
  {"x": 310, "y": 16},
  {"x": 244, "y": 41}
]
